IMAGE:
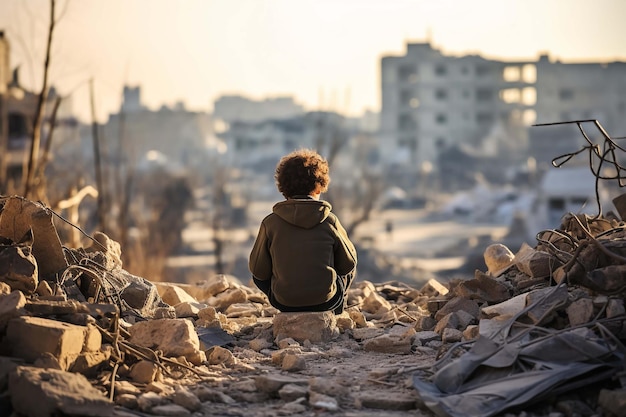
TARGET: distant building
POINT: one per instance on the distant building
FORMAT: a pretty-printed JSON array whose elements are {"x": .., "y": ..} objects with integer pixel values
[
  {"x": 432, "y": 101},
  {"x": 236, "y": 108},
  {"x": 576, "y": 91},
  {"x": 17, "y": 115},
  {"x": 175, "y": 136}
]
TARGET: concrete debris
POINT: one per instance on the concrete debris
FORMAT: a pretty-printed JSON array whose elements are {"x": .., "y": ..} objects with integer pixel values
[{"x": 89, "y": 338}]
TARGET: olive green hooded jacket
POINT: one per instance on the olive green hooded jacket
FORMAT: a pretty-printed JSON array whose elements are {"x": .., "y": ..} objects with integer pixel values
[{"x": 301, "y": 247}]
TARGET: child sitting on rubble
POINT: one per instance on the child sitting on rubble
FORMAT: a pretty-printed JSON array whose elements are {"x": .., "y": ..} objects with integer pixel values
[{"x": 302, "y": 258}]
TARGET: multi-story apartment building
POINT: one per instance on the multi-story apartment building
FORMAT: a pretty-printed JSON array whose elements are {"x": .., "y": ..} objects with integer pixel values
[
  {"x": 577, "y": 91},
  {"x": 432, "y": 102}
]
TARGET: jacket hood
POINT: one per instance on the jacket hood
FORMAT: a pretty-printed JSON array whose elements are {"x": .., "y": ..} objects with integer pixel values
[{"x": 305, "y": 213}]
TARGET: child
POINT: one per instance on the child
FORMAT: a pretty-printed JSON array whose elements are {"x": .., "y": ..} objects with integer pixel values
[{"x": 302, "y": 258}]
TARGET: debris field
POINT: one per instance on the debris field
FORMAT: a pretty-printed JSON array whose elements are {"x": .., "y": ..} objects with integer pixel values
[{"x": 539, "y": 332}]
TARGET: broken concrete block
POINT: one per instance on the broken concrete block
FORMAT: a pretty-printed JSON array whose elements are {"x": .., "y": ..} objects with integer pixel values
[
  {"x": 546, "y": 301},
  {"x": 18, "y": 268},
  {"x": 382, "y": 401},
  {"x": 291, "y": 392},
  {"x": 323, "y": 402},
  {"x": 88, "y": 363},
  {"x": 11, "y": 305},
  {"x": 498, "y": 258},
  {"x": 144, "y": 372},
  {"x": 434, "y": 288},
  {"x": 111, "y": 250},
  {"x": 43, "y": 289},
  {"x": 425, "y": 323},
  {"x": 174, "y": 295},
  {"x": 388, "y": 344},
  {"x": 615, "y": 307},
  {"x": 482, "y": 288},
  {"x": 293, "y": 363},
  {"x": 375, "y": 304},
  {"x": 47, "y": 392},
  {"x": 312, "y": 326},
  {"x": 18, "y": 216},
  {"x": 471, "y": 332},
  {"x": 534, "y": 263},
  {"x": 456, "y": 304},
  {"x": 231, "y": 296},
  {"x": 218, "y": 355},
  {"x": 173, "y": 337},
  {"x": 580, "y": 311},
  {"x": 505, "y": 309},
  {"x": 449, "y": 321},
  {"x": 185, "y": 398},
  {"x": 30, "y": 337},
  {"x": 426, "y": 336},
  {"x": 451, "y": 335},
  {"x": 242, "y": 310},
  {"x": 272, "y": 383},
  {"x": 613, "y": 401},
  {"x": 188, "y": 309}
]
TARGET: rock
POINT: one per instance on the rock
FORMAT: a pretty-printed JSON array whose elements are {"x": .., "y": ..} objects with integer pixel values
[
  {"x": 185, "y": 398},
  {"x": 375, "y": 304},
  {"x": 314, "y": 326},
  {"x": 231, "y": 296},
  {"x": 88, "y": 363},
  {"x": 174, "y": 295},
  {"x": 143, "y": 372},
  {"x": 613, "y": 401},
  {"x": 456, "y": 304},
  {"x": 17, "y": 218},
  {"x": 471, "y": 332},
  {"x": 535, "y": 263},
  {"x": 18, "y": 268},
  {"x": 272, "y": 383},
  {"x": 110, "y": 248},
  {"x": 291, "y": 392},
  {"x": 451, "y": 335},
  {"x": 11, "y": 306},
  {"x": 205, "y": 393},
  {"x": 450, "y": 321},
  {"x": 55, "y": 393},
  {"x": 546, "y": 301},
  {"x": 188, "y": 309},
  {"x": 126, "y": 400},
  {"x": 482, "y": 288},
  {"x": 219, "y": 355},
  {"x": 425, "y": 323},
  {"x": 383, "y": 401},
  {"x": 148, "y": 400},
  {"x": 293, "y": 363},
  {"x": 498, "y": 258},
  {"x": 388, "y": 344},
  {"x": 434, "y": 288},
  {"x": 506, "y": 309},
  {"x": 174, "y": 337},
  {"x": 366, "y": 333},
  {"x": 259, "y": 344},
  {"x": 166, "y": 410},
  {"x": 580, "y": 311},
  {"x": 30, "y": 337},
  {"x": 426, "y": 336},
  {"x": 334, "y": 387},
  {"x": 43, "y": 289},
  {"x": 324, "y": 402}
]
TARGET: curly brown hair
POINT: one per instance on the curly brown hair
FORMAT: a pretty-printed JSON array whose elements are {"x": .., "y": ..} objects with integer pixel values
[{"x": 301, "y": 173}]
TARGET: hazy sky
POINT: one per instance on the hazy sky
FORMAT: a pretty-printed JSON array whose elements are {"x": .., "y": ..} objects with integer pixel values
[{"x": 325, "y": 53}]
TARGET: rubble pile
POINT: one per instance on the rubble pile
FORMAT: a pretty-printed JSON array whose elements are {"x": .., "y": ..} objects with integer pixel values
[{"x": 86, "y": 338}]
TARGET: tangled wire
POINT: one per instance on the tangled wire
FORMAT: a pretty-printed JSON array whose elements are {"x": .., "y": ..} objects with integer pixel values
[{"x": 600, "y": 155}]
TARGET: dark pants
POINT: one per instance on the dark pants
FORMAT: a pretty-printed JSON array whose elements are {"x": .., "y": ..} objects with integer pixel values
[{"x": 336, "y": 304}]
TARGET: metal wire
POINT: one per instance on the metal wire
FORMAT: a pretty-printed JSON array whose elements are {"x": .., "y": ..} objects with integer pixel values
[{"x": 606, "y": 154}]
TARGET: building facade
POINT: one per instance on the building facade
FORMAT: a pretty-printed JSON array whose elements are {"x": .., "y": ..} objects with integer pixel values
[{"x": 432, "y": 101}]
